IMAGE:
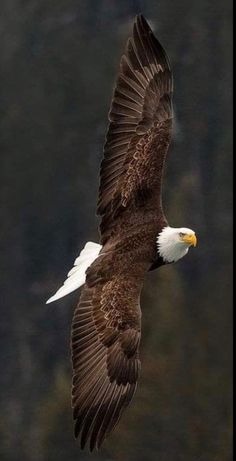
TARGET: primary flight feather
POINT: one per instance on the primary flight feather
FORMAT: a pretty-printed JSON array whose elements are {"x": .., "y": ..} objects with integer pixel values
[{"x": 135, "y": 238}]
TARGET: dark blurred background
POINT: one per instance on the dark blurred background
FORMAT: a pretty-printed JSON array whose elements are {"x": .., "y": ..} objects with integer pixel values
[{"x": 59, "y": 59}]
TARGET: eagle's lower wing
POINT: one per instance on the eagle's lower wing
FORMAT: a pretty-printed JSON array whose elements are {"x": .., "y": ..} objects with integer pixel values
[
  {"x": 105, "y": 357},
  {"x": 139, "y": 132}
]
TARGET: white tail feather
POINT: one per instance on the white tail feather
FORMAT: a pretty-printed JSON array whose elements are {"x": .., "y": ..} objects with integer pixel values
[{"x": 76, "y": 276}]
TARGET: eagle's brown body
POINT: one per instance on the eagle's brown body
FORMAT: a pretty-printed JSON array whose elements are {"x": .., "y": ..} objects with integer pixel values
[{"x": 107, "y": 321}]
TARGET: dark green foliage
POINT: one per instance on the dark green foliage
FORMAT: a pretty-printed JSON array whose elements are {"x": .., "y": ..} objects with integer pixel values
[{"x": 58, "y": 64}]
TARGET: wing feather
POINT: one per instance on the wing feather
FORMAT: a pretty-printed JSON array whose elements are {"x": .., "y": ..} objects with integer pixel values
[
  {"x": 140, "y": 128},
  {"x": 105, "y": 357}
]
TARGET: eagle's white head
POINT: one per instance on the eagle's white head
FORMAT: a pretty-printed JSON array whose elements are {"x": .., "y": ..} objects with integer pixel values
[{"x": 173, "y": 243}]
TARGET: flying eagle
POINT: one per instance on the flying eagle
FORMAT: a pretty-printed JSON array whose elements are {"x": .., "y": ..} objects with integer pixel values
[{"x": 135, "y": 238}]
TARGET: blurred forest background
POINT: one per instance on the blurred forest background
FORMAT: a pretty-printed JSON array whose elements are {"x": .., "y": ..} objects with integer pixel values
[{"x": 59, "y": 60}]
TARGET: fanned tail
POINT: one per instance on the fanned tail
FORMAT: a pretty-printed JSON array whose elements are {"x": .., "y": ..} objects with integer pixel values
[{"x": 76, "y": 276}]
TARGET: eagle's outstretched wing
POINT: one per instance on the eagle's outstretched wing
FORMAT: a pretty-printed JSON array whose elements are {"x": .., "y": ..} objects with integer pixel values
[
  {"x": 139, "y": 132},
  {"x": 105, "y": 342}
]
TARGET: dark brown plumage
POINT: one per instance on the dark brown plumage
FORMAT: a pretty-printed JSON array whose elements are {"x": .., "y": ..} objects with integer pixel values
[{"x": 107, "y": 322}]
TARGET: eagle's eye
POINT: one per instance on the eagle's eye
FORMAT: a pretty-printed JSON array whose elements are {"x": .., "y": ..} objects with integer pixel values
[{"x": 182, "y": 234}]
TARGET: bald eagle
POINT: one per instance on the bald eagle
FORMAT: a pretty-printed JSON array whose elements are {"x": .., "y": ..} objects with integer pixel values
[{"x": 135, "y": 237}]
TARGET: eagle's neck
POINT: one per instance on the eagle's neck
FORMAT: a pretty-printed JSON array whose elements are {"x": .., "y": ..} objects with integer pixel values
[{"x": 170, "y": 249}]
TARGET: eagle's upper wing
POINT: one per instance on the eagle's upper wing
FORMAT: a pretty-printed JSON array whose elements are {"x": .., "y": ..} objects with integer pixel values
[
  {"x": 140, "y": 128},
  {"x": 105, "y": 341}
]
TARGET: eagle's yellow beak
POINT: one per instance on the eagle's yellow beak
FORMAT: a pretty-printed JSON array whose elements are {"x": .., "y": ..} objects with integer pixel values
[{"x": 190, "y": 239}]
